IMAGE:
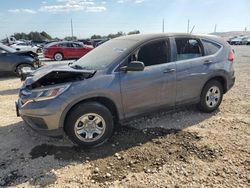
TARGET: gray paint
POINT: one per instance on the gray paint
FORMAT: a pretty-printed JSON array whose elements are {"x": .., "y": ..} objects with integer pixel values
[{"x": 134, "y": 93}]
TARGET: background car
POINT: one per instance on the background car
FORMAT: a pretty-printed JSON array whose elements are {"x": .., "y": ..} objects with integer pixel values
[
  {"x": 65, "y": 50},
  {"x": 13, "y": 61},
  {"x": 26, "y": 47}
]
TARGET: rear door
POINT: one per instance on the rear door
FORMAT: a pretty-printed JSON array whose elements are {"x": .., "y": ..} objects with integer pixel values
[
  {"x": 78, "y": 50},
  {"x": 146, "y": 90},
  {"x": 192, "y": 69}
]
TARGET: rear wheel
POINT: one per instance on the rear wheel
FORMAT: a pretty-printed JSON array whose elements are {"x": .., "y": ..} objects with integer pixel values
[
  {"x": 19, "y": 68},
  {"x": 211, "y": 96},
  {"x": 89, "y": 124},
  {"x": 39, "y": 50},
  {"x": 58, "y": 57}
]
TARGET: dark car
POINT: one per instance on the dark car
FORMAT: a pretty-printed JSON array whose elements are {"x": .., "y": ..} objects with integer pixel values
[
  {"x": 13, "y": 61},
  {"x": 65, "y": 50},
  {"x": 123, "y": 78}
]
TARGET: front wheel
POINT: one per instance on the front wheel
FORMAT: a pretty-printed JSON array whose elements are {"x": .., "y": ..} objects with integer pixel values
[
  {"x": 89, "y": 124},
  {"x": 19, "y": 68},
  {"x": 211, "y": 96}
]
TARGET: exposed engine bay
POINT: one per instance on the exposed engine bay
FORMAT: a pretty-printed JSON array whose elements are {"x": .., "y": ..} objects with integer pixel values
[{"x": 58, "y": 77}]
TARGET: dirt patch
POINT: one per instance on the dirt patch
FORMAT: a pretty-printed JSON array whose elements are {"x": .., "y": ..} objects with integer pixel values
[{"x": 166, "y": 147}]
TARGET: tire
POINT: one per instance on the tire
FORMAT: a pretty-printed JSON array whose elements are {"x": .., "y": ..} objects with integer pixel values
[
  {"x": 58, "y": 56},
  {"x": 89, "y": 124},
  {"x": 19, "y": 68},
  {"x": 211, "y": 96}
]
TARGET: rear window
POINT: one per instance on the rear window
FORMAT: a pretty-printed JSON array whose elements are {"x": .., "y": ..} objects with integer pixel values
[
  {"x": 210, "y": 48},
  {"x": 188, "y": 48}
]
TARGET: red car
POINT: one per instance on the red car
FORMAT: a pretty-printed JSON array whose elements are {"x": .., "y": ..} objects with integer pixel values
[{"x": 65, "y": 50}]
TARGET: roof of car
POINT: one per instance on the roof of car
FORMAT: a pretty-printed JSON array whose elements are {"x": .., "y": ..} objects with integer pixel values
[
  {"x": 146, "y": 37},
  {"x": 61, "y": 42}
]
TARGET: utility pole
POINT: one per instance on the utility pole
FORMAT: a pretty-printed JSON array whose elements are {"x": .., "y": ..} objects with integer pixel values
[
  {"x": 215, "y": 28},
  {"x": 72, "y": 33},
  {"x": 163, "y": 26},
  {"x": 192, "y": 29},
  {"x": 188, "y": 26}
]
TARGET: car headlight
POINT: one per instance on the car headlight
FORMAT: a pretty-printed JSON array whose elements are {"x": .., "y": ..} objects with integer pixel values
[{"x": 49, "y": 92}]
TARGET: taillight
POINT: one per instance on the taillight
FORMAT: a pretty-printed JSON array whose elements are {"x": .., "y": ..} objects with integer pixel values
[{"x": 231, "y": 55}]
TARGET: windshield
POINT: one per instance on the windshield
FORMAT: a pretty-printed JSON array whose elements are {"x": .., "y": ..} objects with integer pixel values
[
  {"x": 105, "y": 54},
  {"x": 7, "y": 48}
]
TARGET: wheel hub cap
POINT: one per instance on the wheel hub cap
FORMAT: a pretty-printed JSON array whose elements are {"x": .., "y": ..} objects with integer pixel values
[
  {"x": 90, "y": 127},
  {"x": 213, "y": 96}
]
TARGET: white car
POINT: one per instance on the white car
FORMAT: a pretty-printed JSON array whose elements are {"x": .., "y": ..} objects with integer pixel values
[{"x": 26, "y": 47}]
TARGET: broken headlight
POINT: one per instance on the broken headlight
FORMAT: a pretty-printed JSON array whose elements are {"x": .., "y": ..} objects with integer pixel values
[
  {"x": 50, "y": 92},
  {"x": 43, "y": 93}
]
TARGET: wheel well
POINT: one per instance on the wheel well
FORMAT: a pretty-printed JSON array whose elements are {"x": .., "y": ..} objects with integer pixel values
[
  {"x": 108, "y": 103},
  {"x": 222, "y": 81}
]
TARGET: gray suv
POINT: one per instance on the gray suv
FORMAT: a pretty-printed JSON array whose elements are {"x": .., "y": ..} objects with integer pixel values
[{"x": 123, "y": 78}]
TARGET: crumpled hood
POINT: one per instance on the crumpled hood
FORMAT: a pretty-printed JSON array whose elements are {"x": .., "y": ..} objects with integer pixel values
[{"x": 56, "y": 74}]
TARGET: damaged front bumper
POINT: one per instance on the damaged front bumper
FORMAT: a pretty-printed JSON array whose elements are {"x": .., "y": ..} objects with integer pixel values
[{"x": 40, "y": 118}]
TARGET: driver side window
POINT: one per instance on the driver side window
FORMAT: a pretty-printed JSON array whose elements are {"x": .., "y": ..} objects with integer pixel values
[{"x": 153, "y": 53}]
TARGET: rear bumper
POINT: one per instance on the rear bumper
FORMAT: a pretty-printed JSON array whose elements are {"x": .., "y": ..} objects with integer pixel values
[{"x": 230, "y": 83}]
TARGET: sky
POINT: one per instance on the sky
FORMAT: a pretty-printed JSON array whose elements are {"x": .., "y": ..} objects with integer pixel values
[{"x": 103, "y": 17}]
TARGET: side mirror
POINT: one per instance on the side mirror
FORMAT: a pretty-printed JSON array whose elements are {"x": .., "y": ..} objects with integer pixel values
[{"x": 133, "y": 66}]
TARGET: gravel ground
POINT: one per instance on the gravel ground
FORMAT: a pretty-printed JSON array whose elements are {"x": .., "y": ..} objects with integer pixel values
[{"x": 182, "y": 148}]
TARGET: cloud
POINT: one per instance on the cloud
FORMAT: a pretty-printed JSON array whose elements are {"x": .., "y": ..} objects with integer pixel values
[
  {"x": 74, "y": 5},
  {"x": 22, "y": 10},
  {"x": 133, "y": 1}
]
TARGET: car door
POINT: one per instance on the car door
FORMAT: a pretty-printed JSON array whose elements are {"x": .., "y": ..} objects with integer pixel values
[
  {"x": 66, "y": 49},
  {"x": 153, "y": 87},
  {"x": 191, "y": 69},
  {"x": 78, "y": 50},
  {"x": 5, "y": 65}
]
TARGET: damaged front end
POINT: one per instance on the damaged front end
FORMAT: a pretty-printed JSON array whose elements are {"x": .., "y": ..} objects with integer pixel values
[{"x": 47, "y": 84}]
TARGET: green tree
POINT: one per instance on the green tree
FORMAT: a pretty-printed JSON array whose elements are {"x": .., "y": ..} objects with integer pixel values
[
  {"x": 70, "y": 38},
  {"x": 118, "y": 34},
  {"x": 46, "y": 35},
  {"x": 134, "y": 32},
  {"x": 96, "y": 37},
  {"x": 33, "y": 36}
]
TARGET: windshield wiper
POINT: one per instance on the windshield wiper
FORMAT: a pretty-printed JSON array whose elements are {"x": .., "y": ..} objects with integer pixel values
[{"x": 77, "y": 67}]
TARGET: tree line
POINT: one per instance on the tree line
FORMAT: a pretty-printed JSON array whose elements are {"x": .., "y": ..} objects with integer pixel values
[
  {"x": 42, "y": 36},
  {"x": 37, "y": 36}
]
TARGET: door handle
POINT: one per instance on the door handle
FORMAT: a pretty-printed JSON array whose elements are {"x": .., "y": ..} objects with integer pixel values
[
  {"x": 208, "y": 62},
  {"x": 168, "y": 70}
]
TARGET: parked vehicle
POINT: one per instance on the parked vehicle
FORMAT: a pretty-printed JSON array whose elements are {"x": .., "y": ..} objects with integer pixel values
[
  {"x": 101, "y": 42},
  {"x": 65, "y": 50},
  {"x": 246, "y": 41},
  {"x": 241, "y": 40},
  {"x": 23, "y": 47},
  {"x": 93, "y": 42},
  {"x": 123, "y": 78},
  {"x": 14, "y": 61}
]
